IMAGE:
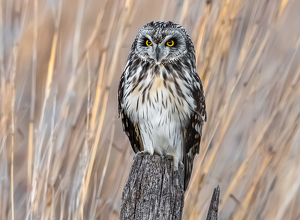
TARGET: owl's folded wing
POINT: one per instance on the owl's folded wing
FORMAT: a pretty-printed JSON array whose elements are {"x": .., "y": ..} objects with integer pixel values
[
  {"x": 131, "y": 129},
  {"x": 193, "y": 131}
]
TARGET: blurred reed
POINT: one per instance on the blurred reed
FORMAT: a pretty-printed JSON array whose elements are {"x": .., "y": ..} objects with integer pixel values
[{"x": 63, "y": 154}]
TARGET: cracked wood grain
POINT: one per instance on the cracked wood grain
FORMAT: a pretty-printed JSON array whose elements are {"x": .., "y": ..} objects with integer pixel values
[{"x": 155, "y": 191}]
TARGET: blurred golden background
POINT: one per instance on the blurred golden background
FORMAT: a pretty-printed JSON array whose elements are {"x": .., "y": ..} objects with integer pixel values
[{"x": 63, "y": 154}]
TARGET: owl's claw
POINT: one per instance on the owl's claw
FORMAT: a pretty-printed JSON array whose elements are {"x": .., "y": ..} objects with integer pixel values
[
  {"x": 147, "y": 152},
  {"x": 176, "y": 161}
]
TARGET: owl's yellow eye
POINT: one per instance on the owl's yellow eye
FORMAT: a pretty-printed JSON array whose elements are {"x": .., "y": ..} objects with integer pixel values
[
  {"x": 148, "y": 43},
  {"x": 170, "y": 43}
]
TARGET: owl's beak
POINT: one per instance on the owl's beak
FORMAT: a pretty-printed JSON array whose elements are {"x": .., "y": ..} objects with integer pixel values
[{"x": 157, "y": 54}]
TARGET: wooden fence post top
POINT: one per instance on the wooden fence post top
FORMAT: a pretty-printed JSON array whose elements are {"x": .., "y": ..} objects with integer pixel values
[{"x": 155, "y": 191}]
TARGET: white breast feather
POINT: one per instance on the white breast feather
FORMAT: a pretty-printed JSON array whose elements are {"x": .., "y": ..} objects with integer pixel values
[{"x": 160, "y": 126}]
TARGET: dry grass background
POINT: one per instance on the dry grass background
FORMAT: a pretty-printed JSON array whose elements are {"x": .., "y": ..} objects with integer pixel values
[{"x": 62, "y": 151}]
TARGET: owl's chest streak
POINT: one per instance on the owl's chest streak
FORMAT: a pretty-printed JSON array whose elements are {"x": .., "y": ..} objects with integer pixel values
[{"x": 158, "y": 98}]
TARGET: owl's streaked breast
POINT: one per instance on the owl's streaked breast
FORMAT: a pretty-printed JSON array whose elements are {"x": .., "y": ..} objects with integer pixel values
[{"x": 157, "y": 95}]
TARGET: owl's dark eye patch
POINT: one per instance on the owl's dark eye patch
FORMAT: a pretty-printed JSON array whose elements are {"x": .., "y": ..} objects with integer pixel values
[
  {"x": 171, "y": 42},
  {"x": 146, "y": 42}
]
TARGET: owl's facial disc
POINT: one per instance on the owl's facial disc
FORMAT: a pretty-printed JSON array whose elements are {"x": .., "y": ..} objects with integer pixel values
[{"x": 163, "y": 48}]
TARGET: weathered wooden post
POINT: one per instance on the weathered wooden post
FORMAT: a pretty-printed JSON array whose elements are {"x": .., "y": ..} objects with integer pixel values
[
  {"x": 154, "y": 190},
  {"x": 214, "y": 204}
]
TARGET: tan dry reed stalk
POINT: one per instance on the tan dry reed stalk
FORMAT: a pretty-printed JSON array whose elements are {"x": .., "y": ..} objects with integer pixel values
[
  {"x": 291, "y": 192},
  {"x": 33, "y": 92},
  {"x": 2, "y": 69},
  {"x": 97, "y": 138},
  {"x": 99, "y": 90},
  {"x": 50, "y": 75},
  {"x": 282, "y": 7},
  {"x": 13, "y": 133},
  {"x": 50, "y": 150},
  {"x": 79, "y": 18},
  {"x": 87, "y": 135},
  {"x": 202, "y": 25},
  {"x": 51, "y": 63},
  {"x": 245, "y": 204},
  {"x": 132, "y": 14},
  {"x": 12, "y": 81},
  {"x": 93, "y": 35},
  {"x": 107, "y": 159}
]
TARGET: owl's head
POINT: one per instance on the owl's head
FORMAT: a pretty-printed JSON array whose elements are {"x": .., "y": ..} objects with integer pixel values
[{"x": 163, "y": 42}]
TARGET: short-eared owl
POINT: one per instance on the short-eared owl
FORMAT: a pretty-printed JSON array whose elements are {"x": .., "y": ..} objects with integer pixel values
[{"x": 161, "y": 100}]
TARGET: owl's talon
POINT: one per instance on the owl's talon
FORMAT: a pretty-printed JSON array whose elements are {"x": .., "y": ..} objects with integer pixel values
[
  {"x": 175, "y": 159},
  {"x": 146, "y": 152}
]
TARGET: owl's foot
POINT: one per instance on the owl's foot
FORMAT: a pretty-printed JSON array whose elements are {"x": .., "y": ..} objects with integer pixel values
[
  {"x": 176, "y": 161},
  {"x": 147, "y": 152}
]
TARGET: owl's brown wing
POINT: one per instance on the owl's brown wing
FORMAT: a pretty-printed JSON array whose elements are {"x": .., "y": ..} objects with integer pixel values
[
  {"x": 193, "y": 131},
  {"x": 131, "y": 130}
]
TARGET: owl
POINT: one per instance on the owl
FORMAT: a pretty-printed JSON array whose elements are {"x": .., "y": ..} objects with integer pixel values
[{"x": 160, "y": 95}]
